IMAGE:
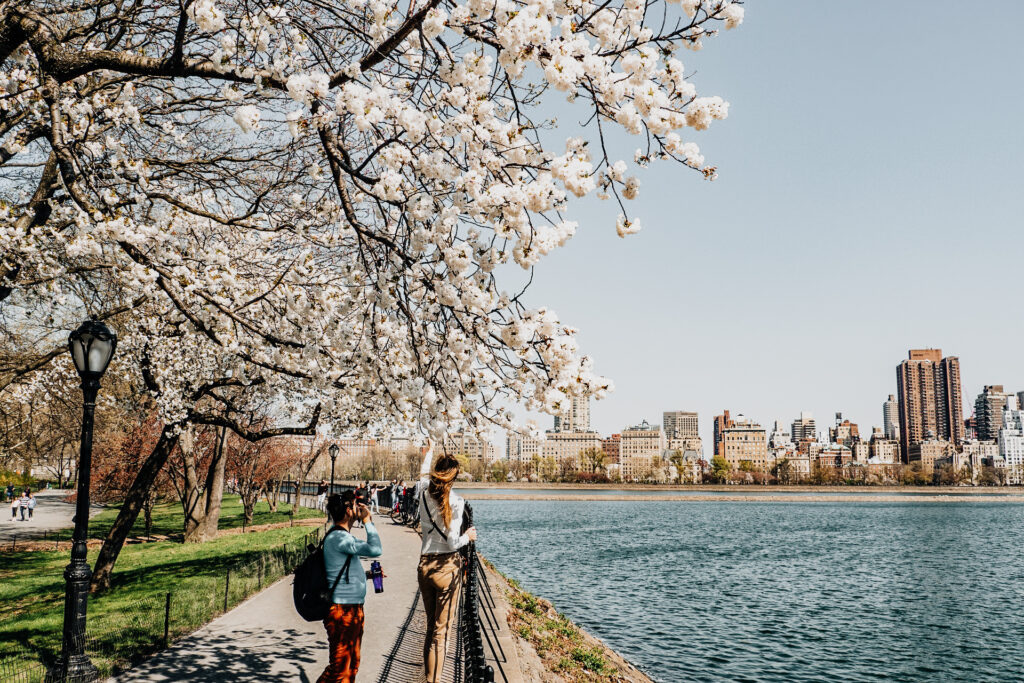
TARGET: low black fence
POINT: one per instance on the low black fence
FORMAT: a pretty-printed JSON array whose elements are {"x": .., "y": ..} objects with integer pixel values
[
  {"x": 116, "y": 641},
  {"x": 478, "y": 621},
  {"x": 307, "y": 493}
]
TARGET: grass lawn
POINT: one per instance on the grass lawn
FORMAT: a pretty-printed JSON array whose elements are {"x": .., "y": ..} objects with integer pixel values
[
  {"x": 128, "y": 621},
  {"x": 168, "y": 517}
]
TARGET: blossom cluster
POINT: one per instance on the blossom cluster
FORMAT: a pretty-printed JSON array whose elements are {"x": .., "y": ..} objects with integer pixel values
[{"x": 346, "y": 242}]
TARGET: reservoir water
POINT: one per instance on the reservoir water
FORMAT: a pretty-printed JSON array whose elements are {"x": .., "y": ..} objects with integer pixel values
[
  {"x": 752, "y": 491},
  {"x": 788, "y": 591}
]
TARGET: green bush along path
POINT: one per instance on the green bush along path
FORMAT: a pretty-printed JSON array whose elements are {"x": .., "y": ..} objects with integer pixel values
[{"x": 128, "y": 621}]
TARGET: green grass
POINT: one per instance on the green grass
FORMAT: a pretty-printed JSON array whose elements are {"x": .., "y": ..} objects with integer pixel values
[
  {"x": 168, "y": 518},
  {"x": 559, "y": 643},
  {"x": 128, "y": 621}
]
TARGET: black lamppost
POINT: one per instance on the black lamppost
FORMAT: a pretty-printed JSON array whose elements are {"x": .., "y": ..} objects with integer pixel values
[
  {"x": 92, "y": 346},
  {"x": 333, "y": 451}
]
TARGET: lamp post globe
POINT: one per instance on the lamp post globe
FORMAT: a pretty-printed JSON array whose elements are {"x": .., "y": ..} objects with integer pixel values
[
  {"x": 333, "y": 452},
  {"x": 92, "y": 346}
]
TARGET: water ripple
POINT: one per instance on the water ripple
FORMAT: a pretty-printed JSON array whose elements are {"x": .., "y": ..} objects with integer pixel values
[{"x": 766, "y": 592}]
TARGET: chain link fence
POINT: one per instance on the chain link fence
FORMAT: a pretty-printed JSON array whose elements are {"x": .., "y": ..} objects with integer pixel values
[{"x": 117, "y": 640}]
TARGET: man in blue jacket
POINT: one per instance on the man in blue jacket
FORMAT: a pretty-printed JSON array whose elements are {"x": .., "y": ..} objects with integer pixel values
[{"x": 342, "y": 550}]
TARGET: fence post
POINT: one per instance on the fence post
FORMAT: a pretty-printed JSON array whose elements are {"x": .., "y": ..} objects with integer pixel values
[
  {"x": 227, "y": 586},
  {"x": 167, "y": 619}
]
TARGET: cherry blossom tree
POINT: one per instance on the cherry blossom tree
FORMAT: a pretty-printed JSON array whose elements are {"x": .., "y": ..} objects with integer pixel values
[
  {"x": 321, "y": 200},
  {"x": 256, "y": 467}
]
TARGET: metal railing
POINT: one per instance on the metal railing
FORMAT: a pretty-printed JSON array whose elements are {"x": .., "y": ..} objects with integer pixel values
[
  {"x": 478, "y": 622},
  {"x": 288, "y": 488}
]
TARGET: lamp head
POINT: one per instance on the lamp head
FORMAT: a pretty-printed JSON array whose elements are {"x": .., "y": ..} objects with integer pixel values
[
  {"x": 92, "y": 346},
  {"x": 333, "y": 451}
]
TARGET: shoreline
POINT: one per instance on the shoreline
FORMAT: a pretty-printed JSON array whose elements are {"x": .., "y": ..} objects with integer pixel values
[{"x": 550, "y": 647}]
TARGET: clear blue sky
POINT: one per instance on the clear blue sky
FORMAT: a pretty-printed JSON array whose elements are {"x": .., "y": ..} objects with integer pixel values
[{"x": 869, "y": 201}]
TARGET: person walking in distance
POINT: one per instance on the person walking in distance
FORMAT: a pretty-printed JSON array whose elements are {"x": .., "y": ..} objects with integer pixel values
[
  {"x": 440, "y": 568},
  {"x": 342, "y": 550},
  {"x": 15, "y": 504},
  {"x": 31, "y": 504},
  {"x": 23, "y": 504},
  {"x": 321, "y": 495},
  {"x": 374, "y": 501}
]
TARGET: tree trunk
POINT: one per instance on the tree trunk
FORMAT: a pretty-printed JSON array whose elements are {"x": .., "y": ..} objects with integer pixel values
[
  {"x": 272, "y": 492},
  {"x": 214, "y": 492},
  {"x": 137, "y": 495},
  {"x": 192, "y": 496},
  {"x": 147, "y": 509},
  {"x": 249, "y": 506}
]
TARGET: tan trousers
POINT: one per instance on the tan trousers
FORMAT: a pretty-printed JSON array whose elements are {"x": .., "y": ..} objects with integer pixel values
[{"x": 440, "y": 578}]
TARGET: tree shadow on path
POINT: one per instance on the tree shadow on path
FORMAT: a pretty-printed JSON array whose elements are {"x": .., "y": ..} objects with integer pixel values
[{"x": 247, "y": 655}]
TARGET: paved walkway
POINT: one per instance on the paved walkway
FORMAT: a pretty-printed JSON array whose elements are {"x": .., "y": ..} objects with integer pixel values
[
  {"x": 265, "y": 640},
  {"x": 51, "y": 514}
]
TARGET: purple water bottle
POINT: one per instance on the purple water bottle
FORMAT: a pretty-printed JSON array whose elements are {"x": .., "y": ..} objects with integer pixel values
[{"x": 378, "y": 577}]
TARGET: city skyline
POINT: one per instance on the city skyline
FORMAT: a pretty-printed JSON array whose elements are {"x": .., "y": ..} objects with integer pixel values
[
  {"x": 820, "y": 423},
  {"x": 838, "y": 235}
]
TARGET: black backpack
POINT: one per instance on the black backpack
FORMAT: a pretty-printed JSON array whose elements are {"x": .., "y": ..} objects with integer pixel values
[{"x": 310, "y": 589}]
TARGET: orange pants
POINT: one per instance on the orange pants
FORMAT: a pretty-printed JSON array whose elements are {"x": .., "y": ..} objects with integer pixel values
[{"x": 344, "y": 624}]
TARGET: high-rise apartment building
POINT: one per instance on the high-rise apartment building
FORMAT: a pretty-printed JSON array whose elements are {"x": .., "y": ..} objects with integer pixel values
[
  {"x": 1011, "y": 441},
  {"x": 577, "y": 419},
  {"x": 639, "y": 449},
  {"x": 522, "y": 448},
  {"x": 569, "y": 449},
  {"x": 611, "y": 447},
  {"x": 988, "y": 412},
  {"x": 803, "y": 428},
  {"x": 745, "y": 440},
  {"x": 470, "y": 445},
  {"x": 780, "y": 438},
  {"x": 679, "y": 424},
  {"x": 930, "y": 399},
  {"x": 891, "y": 418},
  {"x": 722, "y": 422}
]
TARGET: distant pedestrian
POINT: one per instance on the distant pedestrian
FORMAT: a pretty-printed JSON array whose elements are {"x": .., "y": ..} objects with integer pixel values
[
  {"x": 440, "y": 569},
  {"x": 374, "y": 501},
  {"x": 31, "y": 504},
  {"x": 10, "y": 492},
  {"x": 342, "y": 550},
  {"x": 321, "y": 495},
  {"x": 15, "y": 505},
  {"x": 23, "y": 504}
]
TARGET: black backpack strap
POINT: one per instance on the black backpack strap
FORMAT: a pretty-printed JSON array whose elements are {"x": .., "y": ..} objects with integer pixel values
[
  {"x": 431, "y": 517},
  {"x": 344, "y": 567},
  {"x": 343, "y": 570}
]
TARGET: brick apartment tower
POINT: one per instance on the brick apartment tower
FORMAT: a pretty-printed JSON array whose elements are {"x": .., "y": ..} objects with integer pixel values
[
  {"x": 722, "y": 422},
  {"x": 930, "y": 402}
]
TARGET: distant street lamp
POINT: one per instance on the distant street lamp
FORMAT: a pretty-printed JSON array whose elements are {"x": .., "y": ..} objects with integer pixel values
[
  {"x": 333, "y": 451},
  {"x": 92, "y": 346}
]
